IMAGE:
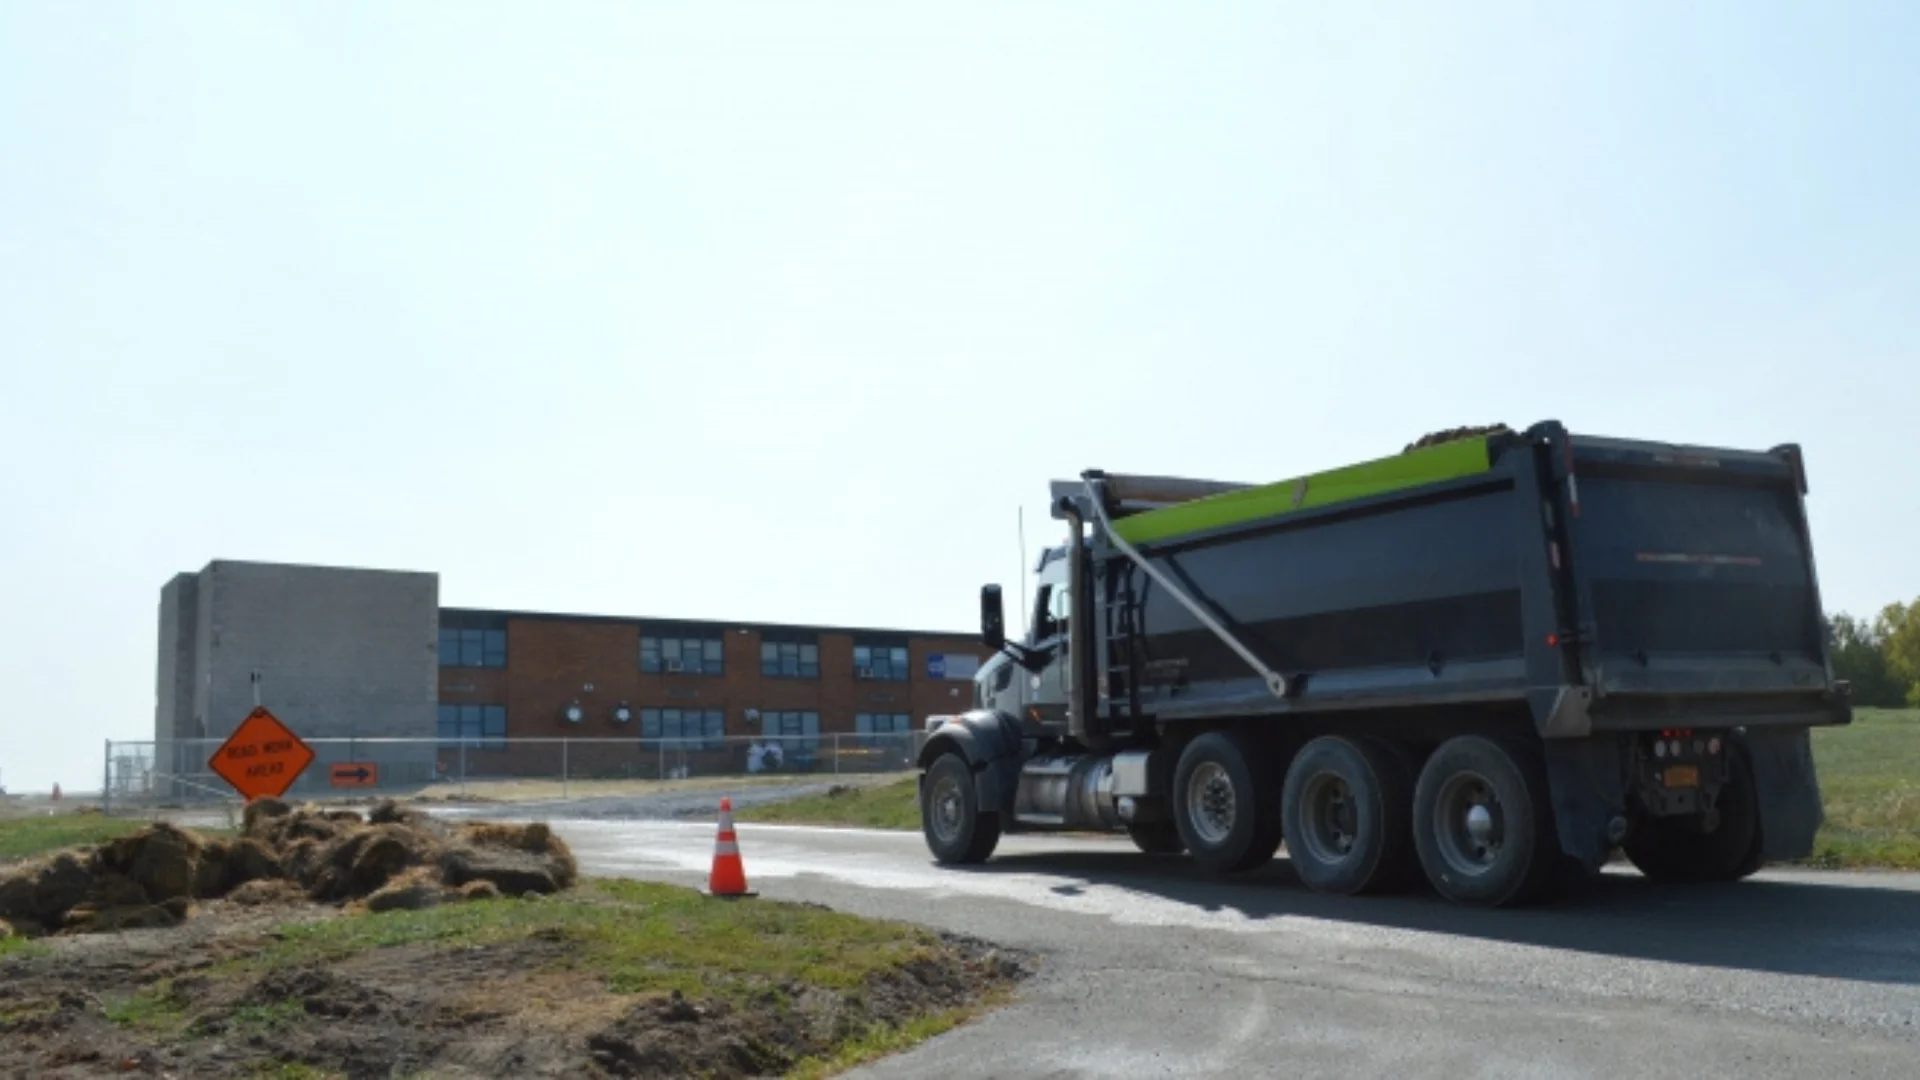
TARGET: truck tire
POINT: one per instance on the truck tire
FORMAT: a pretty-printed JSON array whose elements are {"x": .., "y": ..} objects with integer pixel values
[
  {"x": 1348, "y": 810},
  {"x": 1675, "y": 850},
  {"x": 1483, "y": 823},
  {"x": 1227, "y": 813},
  {"x": 1157, "y": 838},
  {"x": 957, "y": 831}
]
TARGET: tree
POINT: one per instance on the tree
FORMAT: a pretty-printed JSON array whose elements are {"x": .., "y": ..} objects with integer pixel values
[
  {"x": 1899, "y": 630},
  {"x": 1860, "y": 656}
]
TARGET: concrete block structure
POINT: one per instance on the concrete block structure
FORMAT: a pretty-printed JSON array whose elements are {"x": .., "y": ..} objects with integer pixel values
[{"x": 338, "y": 652}]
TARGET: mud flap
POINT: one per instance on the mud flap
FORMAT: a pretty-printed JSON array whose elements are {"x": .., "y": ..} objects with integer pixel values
[
  {"x": 1587, "y": 779},
  {"x": 1788, "y": 791}
]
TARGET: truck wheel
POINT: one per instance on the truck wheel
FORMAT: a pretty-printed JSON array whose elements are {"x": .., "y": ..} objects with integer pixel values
[
  {"x": 1157, "y": 838},
  {"x": 956, "y": 830},
  {"x": 1676, "y": 850},
  {"x": 1483, "y": 824},
  {"x": 1348, "y": 810},
  {"x": 1229, "y": 819}
]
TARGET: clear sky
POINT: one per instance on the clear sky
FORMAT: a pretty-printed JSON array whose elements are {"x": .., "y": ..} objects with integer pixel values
[{"x": 782, "y": 311}]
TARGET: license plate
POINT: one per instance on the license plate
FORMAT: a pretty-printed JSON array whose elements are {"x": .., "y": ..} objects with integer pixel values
[{"x": 1682, "y": 776}]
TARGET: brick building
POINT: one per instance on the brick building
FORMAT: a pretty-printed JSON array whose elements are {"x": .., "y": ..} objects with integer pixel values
[
  {"x": 370, "y": 654},
  {"x": 678, "y": 687}
]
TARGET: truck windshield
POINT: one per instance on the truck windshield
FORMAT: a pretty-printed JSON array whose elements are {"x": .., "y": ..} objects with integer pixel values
[{"x": 1051, "y": 602}]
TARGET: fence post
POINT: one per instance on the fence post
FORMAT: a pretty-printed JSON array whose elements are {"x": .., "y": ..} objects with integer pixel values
[
  {"x": 564, "y": 744},
  {"x": 836, "y": 754},
  {"x": 663, "y": 758},
  {"x": 106, "y": 780},
  {"x": 463, "y": 766}
]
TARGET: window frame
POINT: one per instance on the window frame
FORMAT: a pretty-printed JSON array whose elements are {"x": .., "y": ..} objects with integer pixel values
[
  {"x": 805, "y": 741},
  {"x": 472, "y": 648},
  {"x": 709, "y": 652},
  {"x": 477, "y": 726},
  {"x": 788, "y": 659},
  {"x": 898, "y": 666},
  {"x": 712, "y": 722},
  {"x": 897, "y": 724}
]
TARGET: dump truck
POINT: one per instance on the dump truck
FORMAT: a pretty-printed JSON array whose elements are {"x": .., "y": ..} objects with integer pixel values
[{"x": 1495, "y": 661}]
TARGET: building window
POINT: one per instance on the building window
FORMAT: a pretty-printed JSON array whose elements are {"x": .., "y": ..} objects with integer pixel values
[
  {"x": 473, "y": 648},
  {"x": 879, "y": 662},
  {"x": 478, "y": 727},
  {"x": 787, "y": 660},
  {"x": 882, "y": 729},
  {"x": 684, "y": 729},
  {"x": 681, "y": 655},
  {"x": 796, "y": 732}
]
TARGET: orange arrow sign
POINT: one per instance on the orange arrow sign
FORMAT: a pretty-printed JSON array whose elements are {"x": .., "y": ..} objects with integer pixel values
[
  {"x": 261, "y": 759},
  {"x": 355, "y": 774}
]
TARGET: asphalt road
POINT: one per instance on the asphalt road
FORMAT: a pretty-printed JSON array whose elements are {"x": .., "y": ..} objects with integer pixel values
[{"x": 1147, "y": 969}]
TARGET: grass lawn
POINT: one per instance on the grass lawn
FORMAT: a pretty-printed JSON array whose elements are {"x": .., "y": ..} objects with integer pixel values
[
  {"x": 24, "y": 837},
  {"x": 640, "y": 937},
  {"x": 887, "y": 806},
  {"x": 1869, "y": 781}
]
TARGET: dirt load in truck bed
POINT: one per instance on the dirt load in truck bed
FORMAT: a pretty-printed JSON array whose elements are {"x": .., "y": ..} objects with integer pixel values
[{"x": 1454, "y": 434}]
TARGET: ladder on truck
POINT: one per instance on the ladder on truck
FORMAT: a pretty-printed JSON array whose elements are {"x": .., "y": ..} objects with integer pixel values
[{"x": 1101, "y": 498}]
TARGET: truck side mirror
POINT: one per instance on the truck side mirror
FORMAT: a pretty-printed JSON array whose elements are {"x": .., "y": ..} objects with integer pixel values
[{"x": 993, "y": 620}]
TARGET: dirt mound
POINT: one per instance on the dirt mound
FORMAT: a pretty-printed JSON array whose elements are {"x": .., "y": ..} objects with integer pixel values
[
  {"x": 1456, "y": 434},
  {"x": 268, "y": 892},
  {"x": 391, "y": 858},
  {"x": 677, "y": 1036},
  {"x": 192, "y": 1002},
  {"x": 321, "y": 993}
]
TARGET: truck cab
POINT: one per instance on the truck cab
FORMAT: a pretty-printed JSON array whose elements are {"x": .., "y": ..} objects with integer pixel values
[{"x": 1028, "y": 677}]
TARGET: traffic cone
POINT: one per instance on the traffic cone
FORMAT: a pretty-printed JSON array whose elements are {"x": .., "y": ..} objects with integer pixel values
[{"x": 728, "y": 878}]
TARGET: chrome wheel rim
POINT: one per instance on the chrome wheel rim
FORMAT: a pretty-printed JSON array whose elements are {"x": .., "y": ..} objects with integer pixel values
[
  {"x": 1331, "y": 818},
  {"x": 1469, "y": 824},
  {"x": 1211, "y": 803}
]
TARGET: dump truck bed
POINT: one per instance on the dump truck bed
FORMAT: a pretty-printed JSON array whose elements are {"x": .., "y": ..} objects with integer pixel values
[{"x": 1603, "y": 583}]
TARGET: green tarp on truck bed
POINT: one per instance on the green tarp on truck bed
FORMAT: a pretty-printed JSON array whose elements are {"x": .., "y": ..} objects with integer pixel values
[{"x": 1428, "y": 465}]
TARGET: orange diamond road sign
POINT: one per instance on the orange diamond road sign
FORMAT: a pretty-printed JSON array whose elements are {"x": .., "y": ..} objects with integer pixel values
[{"x": 261, "y": 759}]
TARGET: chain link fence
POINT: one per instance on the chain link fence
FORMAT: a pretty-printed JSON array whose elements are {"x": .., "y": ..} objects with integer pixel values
[{"x": 142, "y": 775}]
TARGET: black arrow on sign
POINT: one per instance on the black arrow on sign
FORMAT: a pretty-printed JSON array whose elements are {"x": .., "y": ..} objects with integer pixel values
[{"x": 357, "y": 774}]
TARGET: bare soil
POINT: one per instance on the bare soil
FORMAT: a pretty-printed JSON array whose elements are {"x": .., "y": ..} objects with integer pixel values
[
  {"x": 187, "y": 1001},
  {"x": 324, "y": 942}
]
